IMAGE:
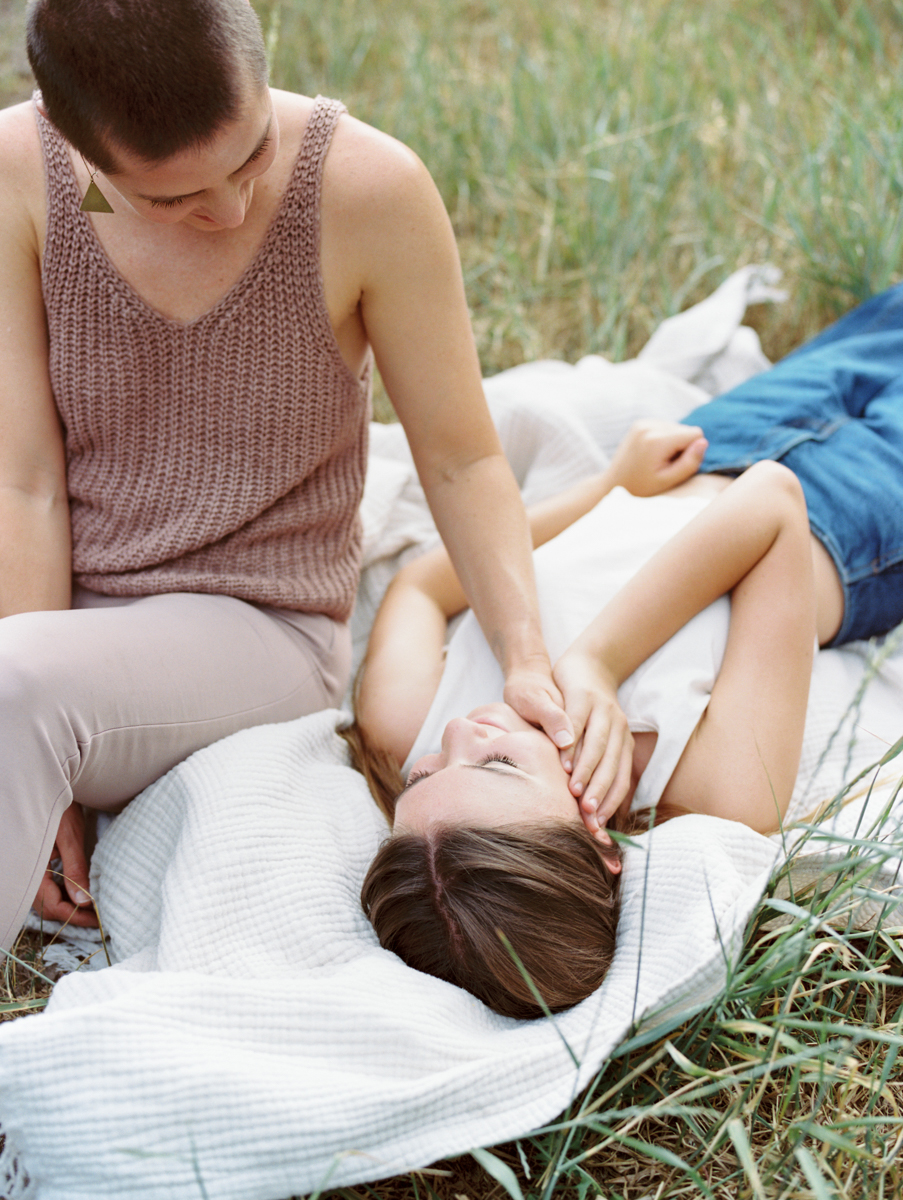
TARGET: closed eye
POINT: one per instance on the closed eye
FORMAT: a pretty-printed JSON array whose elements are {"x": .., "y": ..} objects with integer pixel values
[
  {"x": 417, "y": 776},
  {"x": 261, "y": 149},
  {"x": 172, "y": 201},
  {"x": 413, "y": 778},
  {"x": 502, "y": 758}
]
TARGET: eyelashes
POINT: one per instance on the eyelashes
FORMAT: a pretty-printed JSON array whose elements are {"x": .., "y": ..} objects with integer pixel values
[
  {"x": 416, "y": 776},
  {"x": 175, "y": 201},
  {"x": 260, "y": 151},
  {"x": 413, "y": 778},
  {"x": 502, "y": 758}
]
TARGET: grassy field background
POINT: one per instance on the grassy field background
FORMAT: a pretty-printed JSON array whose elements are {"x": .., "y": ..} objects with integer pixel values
[{"x": 606, "y": 165}]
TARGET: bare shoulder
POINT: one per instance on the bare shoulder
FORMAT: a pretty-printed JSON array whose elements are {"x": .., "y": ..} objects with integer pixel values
[
  {"x": 370, "y": 163},
  {"x": 364, "y": 165},
  {"x": 21, "y": 157},
  {"x": 374, "y": 181},
  {"x": 21, "y": 172}
]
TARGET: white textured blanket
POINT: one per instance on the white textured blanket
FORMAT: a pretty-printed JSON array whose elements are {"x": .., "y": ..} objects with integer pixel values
[{"x": 253, "y": 1041}]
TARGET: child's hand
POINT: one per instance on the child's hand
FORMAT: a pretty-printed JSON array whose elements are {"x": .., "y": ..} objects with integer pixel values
[{"x": 656, "y": 456}]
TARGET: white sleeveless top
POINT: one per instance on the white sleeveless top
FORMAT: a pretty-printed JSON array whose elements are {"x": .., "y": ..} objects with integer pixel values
[{"x": 576, "y": 574}]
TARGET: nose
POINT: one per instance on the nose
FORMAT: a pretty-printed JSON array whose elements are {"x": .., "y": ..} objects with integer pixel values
[{"x": 227, "y": 205}]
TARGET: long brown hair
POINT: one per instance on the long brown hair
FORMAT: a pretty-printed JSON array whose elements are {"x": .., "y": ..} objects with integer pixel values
[{"x": 460, "y": 903}]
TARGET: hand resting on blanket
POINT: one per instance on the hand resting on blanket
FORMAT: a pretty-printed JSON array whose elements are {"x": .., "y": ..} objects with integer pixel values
[{"x": 63, "y": 894}]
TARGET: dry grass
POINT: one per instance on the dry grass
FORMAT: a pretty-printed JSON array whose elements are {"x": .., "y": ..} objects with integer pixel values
[
  {"x": 22, "y": 989},
  {"x": 605, "y": 165}
]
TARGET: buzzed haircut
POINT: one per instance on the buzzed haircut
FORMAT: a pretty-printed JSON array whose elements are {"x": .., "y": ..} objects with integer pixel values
[{"x": 153, "y": 77}]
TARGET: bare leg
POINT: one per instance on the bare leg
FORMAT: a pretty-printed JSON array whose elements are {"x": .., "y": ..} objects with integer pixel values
[{"x": 828, "y": 593}]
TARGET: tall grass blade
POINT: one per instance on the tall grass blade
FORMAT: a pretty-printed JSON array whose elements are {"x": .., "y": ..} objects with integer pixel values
[
  {"x": 736, "y": 1131},
  {"x": 500, "y": 1172},
  {"x": 537, "y": 995},
  {"x": 814, "y": 1177}
]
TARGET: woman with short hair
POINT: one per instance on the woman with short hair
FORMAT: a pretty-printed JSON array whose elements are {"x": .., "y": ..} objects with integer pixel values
[{"x": 197, "y": 273}]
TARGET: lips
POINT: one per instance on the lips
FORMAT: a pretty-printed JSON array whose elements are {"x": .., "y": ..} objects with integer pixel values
[
  {"x": 482, "y": 716},
  {"x": 500, "y": 716}
]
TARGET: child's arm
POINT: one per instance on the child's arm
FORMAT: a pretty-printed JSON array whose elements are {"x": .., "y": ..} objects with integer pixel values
[
  {"x": 753, "y": 541},
  {"x": 403, "y": 664}
]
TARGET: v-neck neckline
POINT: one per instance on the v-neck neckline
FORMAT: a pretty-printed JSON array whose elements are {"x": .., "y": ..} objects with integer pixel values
[{"x": 260, "y": 255}]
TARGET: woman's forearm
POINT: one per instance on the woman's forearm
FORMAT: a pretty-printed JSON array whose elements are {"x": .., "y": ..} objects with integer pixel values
[
  {"x": 480, "y": 516},
  {"x": 404, "y": 658},
  {"x": 35, "y": 552}
]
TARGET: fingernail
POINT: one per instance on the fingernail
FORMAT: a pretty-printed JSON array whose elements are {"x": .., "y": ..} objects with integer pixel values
[
  {"x": 568, "y": 765},
  {"x": 82, "y": 897},
  {"x": 562, "y": 739},
  {"x": 591, "y": 803},
  {"x": 577, "y": 788}
]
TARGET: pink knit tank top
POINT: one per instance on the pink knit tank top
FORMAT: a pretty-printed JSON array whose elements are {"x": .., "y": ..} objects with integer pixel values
[{"x": 222, "y": 455}]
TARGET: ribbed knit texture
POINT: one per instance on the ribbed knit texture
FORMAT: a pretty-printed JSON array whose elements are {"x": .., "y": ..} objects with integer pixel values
[{"x": 222, "y": 455}]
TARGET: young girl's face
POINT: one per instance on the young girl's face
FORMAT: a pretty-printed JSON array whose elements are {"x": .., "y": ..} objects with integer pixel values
[{"x": 494, "y": 769}]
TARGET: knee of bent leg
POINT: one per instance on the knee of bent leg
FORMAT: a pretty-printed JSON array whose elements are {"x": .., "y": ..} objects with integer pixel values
[
  {"x": 32, "y": 662},
  {"x": 780, "y": 482}
]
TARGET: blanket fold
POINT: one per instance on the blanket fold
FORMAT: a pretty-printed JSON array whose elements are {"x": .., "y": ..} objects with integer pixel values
[{"x": 253, "y": 1041}]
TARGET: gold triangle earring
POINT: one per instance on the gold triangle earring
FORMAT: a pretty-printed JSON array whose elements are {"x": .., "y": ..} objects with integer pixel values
[{"x": 95, "y": 201}]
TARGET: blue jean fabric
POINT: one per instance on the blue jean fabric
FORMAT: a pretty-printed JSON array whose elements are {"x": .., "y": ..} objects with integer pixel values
[{"x": 832, "y": 412}]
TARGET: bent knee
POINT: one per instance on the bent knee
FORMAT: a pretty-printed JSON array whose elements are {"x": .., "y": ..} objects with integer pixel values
[
  {"x": 777, "y": 476},
  {"x": 34, "y": 664},
  {"x": 782, "y": 488}
]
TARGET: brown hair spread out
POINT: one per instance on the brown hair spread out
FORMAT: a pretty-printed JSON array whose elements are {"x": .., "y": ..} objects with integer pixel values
[
  {"x": 442, "y": 902},
  {"x": 151, "y": 76}
]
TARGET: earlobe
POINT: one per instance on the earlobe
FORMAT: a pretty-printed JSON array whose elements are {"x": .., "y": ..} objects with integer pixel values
[{"x": 612, "y": 861}]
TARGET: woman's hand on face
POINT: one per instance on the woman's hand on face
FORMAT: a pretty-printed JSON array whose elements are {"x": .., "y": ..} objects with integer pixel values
[
  {"x": 656, "y": 456},
  {"x": 52, "y": 901},
  {"x": 532, "y": 693},
  {"x": 601, "y": 760}
]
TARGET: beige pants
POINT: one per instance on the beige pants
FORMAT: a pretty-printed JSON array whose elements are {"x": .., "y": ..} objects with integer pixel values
[{"x": 99, "y": 701}]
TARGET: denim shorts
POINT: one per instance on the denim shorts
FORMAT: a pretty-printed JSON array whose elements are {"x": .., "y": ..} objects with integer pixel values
[{"x": 832, "y": 412}]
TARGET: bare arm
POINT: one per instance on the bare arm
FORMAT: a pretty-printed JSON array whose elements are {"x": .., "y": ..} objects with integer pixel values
[
  {"x": 404, "y": 660},
  {"x": 394, "y": 250},
  {"x": 414, "y": 312},
  {"x": 35, "y": 555},
  {"x": 35, "y": 545},
  {"x": 752, "y": 541}
]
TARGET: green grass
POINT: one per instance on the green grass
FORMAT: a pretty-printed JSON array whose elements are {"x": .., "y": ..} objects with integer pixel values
[
  {"x": 23, "y": 986},
  {"x": 605, "y": 165},
  {"x": 787, "y": 1085}
]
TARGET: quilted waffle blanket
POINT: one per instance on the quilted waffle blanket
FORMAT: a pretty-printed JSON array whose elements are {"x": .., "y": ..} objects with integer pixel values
[{"x": 252, "y": 1041}]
